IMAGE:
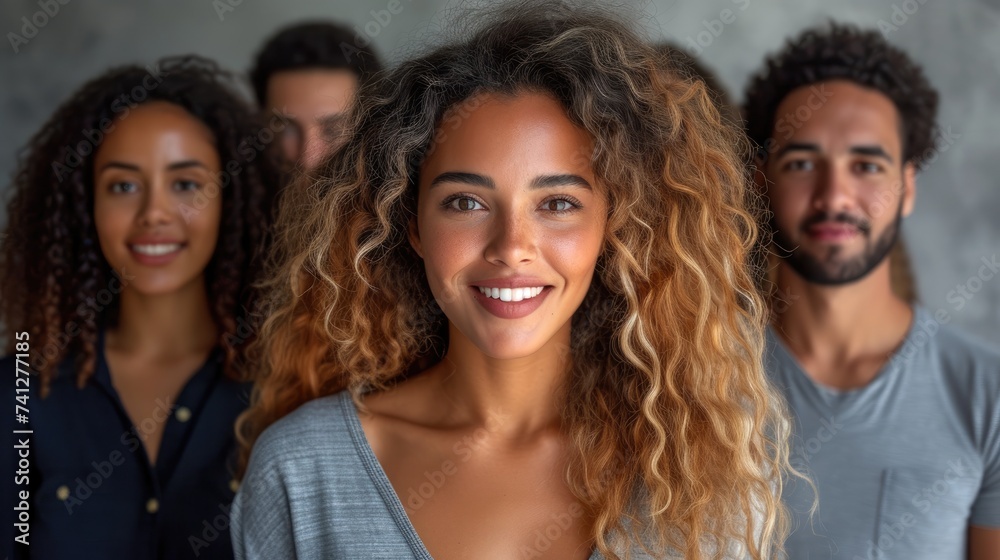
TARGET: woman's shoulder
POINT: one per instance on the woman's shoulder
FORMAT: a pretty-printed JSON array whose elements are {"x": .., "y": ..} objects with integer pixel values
[{"x": 319, "y": 428}]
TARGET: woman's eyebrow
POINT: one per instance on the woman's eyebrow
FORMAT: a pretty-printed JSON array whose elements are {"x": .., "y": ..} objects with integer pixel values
[
  {"x": 561, "y": 180},
  {"x": 119, "y": 165},
  {"x": 473, "y": 179},
  {"x": 540, "y": 182},
  {"x": 185, "y": 164}
]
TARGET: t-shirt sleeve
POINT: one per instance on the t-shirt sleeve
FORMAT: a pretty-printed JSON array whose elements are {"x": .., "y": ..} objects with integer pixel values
[
  {"x": 261, "y": 521},
  {"x": 986, "y": 508}
]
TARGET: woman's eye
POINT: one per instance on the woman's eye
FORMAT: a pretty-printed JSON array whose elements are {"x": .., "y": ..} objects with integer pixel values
[
  {"x": 464, "y": 204},
  {"x": 559, "y": 205},
  {"x": 185, "y": 185},
  {"x": 123, "y": 187}
]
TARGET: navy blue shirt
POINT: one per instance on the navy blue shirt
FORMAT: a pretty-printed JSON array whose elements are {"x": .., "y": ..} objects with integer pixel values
[{"x": 92, "y": 490}]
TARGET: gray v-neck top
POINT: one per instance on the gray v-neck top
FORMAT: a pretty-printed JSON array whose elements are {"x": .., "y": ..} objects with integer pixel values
[{"x": 314, "y": 489}]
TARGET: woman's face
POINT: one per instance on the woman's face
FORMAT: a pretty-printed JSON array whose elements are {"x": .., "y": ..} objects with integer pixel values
[
  {"x": 509, "y": 221},
  {"x": 157, "y": 204}
]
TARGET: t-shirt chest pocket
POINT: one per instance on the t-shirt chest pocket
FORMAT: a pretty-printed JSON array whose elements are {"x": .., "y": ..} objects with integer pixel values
[{"x": 923, "y": 512}]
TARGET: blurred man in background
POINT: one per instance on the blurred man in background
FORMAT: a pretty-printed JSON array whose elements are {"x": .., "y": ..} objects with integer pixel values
[
  {"x": 310, "y": 73},
  {"x": 896, "y": 415}
]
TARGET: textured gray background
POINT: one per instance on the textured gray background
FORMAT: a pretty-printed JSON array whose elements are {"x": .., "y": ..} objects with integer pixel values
[{"x": 958, "y": 42}]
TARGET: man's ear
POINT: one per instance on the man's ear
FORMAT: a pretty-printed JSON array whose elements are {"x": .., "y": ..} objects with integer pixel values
[
  {"x": 909, "y": 188},
  {"x": 413, "y": 234}
]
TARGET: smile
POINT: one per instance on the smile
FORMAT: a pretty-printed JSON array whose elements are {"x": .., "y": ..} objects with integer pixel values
[
  {"x": 157, "y": 249},
  {"x": 511, "y": 294}
]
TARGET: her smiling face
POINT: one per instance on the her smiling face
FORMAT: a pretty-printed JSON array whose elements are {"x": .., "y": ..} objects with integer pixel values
[
  {"x": 510, "y": 221},
  {"x": 156, "y": 206}
]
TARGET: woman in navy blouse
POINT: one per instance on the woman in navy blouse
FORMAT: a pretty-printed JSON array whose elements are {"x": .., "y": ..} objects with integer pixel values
[{"x": 137, "y": 217}]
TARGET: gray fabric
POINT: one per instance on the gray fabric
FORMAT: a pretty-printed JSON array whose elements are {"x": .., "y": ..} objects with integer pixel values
[
  {"x": 904, "y": 464},
  {"x": 314, "y": 489}
]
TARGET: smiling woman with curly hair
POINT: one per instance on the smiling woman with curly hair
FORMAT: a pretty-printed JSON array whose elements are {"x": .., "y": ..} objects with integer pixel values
[
  {"x": 126, "y": 270},
  {"x": 513, "y": 318}
]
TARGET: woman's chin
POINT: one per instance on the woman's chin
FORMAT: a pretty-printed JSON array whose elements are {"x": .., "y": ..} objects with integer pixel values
[{"x": 515, "y": 348}]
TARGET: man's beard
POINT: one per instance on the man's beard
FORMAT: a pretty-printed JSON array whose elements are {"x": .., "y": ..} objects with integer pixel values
[{"x": 829, "y": 270}]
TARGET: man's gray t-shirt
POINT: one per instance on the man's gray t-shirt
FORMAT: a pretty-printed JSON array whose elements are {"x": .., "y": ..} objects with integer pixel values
[
  {"x": 315, "y": 490},
  {"x": 903, "y": 465}
]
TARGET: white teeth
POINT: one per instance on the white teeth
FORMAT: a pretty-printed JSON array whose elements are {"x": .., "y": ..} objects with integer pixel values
[
  {"x": 156, "y": 250},
  {"x": 511, "y": 294}
]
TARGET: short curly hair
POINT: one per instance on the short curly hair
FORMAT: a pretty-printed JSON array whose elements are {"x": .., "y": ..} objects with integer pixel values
[
  {"x": 312, "y": 45},
  {"x": 844, "y": 52}
]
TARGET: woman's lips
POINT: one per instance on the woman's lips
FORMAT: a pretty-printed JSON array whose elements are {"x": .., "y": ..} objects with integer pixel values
[
  {"x": 511, "y": 309},
  {"x": 155, "y": 254}
]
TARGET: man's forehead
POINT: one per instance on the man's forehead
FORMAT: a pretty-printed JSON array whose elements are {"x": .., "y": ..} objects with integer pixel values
[{"x": 838, "y": 117}]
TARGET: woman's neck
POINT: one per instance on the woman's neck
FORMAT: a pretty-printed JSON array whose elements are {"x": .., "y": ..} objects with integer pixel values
[
  {"x": 524, "y": 394},
  {"x": 165, "y": 325}
]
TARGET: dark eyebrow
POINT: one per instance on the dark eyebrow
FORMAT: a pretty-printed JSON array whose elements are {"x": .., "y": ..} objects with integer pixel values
[
  {"x": 540, "y": 182},
  {"x": 796, "y": 146},
  {"x": 173, "y": 166},
  {"x": 119, "y": 165},
  {"x": 473, "y": 179},
  {"x": 874, "y": 151},
  {"x": 185, "y": 164},
  {"x": 562, "y": 180}
]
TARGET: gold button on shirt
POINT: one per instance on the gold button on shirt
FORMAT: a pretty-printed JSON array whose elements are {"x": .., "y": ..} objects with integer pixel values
[
  {"x": 183, "y": 414},
  {"x": 153, "y": 505}
]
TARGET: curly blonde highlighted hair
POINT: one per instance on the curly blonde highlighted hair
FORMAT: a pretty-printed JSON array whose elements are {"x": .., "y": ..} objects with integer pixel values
[{"x": 677, "y": 439}]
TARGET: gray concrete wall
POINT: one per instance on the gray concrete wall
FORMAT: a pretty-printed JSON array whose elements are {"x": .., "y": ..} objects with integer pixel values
[{"x": 956, "y": 223}]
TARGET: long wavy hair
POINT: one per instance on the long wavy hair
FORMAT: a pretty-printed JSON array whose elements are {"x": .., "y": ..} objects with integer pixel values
[
  {"x": 56, "y": 283},
  {"x": 677, "y": 439}
]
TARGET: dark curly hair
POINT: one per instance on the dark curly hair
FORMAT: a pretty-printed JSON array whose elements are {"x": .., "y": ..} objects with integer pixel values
[
  {"x": 313, "y": 45},
  {"x": 844, "y": 52},
  {"x": 55, "y": 280}
]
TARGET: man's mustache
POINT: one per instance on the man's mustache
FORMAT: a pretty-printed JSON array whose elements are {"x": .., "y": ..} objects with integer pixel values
[{"x": 863, "y": 225}]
